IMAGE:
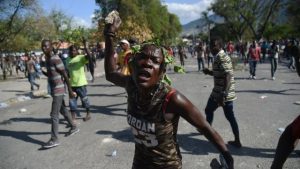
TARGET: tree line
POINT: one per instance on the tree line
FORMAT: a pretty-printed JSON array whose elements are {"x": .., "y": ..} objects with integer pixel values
[
  {"x": 256, "y": 19},
  {"x": 142, "y": 19},
  {"x": 23, "y": 23}
]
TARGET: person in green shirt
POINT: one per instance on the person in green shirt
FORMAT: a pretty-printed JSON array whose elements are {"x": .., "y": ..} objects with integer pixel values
[{"x": 75, "y": 65}]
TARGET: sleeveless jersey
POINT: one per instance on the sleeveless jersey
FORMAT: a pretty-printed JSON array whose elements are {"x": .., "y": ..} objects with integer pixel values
[{"x": 155, "y": 138}]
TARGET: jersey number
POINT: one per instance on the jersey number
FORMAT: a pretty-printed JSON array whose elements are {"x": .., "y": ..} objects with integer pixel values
[{"x": 149, "y": 140}]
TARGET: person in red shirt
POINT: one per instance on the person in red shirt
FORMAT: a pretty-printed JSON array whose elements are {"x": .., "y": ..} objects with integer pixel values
[
  {"x": 230, "y": 48},
  {"x": 253, "y": 57}
]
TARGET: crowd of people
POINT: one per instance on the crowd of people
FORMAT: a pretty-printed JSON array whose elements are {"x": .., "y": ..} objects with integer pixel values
[
  {"x": 264, "y": 52},
  {"x": 270, "y": 52}
]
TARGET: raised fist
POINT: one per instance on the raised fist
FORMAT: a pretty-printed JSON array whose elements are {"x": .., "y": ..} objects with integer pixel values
[{"x": 112, "y": 23}]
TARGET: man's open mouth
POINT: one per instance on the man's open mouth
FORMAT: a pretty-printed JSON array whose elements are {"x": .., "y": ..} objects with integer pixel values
[{"x": 144, "y": 75}]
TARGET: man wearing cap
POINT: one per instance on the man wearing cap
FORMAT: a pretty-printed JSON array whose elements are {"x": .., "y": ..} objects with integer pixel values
[{"x": 123, "y": 57}]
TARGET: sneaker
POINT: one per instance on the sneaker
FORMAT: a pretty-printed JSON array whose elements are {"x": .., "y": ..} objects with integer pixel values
[
  {"x": 273, "y": 78},
  {"x": 254, "y": 77},
  {"x": 47, "y": 96},
  {"x": 51, "y": 144},
  {"x": 72, "y": 131},
  {"x": 250, "y": 77}
]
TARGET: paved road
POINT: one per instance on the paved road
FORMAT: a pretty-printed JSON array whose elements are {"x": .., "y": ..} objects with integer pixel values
[{"x": 262, "y": 107}]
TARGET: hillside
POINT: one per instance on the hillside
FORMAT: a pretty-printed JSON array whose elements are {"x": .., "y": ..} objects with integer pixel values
[{"x": 198, "y": 25}]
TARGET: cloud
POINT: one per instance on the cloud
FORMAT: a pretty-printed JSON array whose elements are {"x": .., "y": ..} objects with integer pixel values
[
  {"x": 188, "y": 12},
  {"x": 80, "y": 22},
  {"x": 92, "y": 16}
]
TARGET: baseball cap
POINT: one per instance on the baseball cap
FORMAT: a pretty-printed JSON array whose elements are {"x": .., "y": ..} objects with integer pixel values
[{"x": 125, "y": 41}]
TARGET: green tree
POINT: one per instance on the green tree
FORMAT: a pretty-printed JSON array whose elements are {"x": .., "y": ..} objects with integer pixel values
[
  {"x": 14, "y": 18},
  {"x": 174, "y": 27},
  {"x": 43, "y": 28},
  {"x": 293, "y": 15},
  {"x": 208, "y": 22},
  {"x": 255, "y": 13},
  {"x": 61, "y": 22},
  {"x": 274, "y": 31},
  {"x": 31, "y": 35},
  {"x": 219, "y": 29},
  {"x": 234, "y": 23},
  {"x": 142, "y": 19}
]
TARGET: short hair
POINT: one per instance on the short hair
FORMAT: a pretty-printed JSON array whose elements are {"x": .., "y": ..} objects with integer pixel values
[{"x": 47, "y": 40}]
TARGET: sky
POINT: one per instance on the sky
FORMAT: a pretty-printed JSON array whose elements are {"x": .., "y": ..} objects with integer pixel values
[
  {"x": 187, "y": 10},
  {"x": 82, "y": 10}
]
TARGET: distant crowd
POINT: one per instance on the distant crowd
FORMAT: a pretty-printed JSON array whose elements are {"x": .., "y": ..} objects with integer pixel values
[{"x": 17, "y": 63}]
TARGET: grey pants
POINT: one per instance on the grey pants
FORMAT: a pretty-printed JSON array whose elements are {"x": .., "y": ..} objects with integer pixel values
[{"x": 58, "y": 105}]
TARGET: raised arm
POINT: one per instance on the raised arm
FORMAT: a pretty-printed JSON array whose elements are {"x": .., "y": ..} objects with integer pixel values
[
  {"x": 86, "y": 49},
  {"x": 179, "y": 104},
  {"x": 110, "y": 64}
]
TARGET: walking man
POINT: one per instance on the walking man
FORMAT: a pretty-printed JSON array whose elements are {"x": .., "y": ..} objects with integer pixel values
[
  {"x": 182, "y": 55},
  {"x": 55, "y": 73},
  {"x": 32, "y": 73},
  {"x": 273, "y": 56},
  {"x": 223, "y": 92},
  {"x": 75, "y": 65},
  {"x": 210, "y": 58},
  {"x": 200, "y": 56},
  {"x": 253, "y": 57}
]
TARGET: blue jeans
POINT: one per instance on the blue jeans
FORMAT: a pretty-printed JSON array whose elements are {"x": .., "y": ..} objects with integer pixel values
[
  {"x": 291, "y": 63},
  {"x": 252, "y": 65},
  {"x": 82, "y": 93},
  {"x": 31, "y": 79},
  {"x": 212, "y": 106},
  {"x": 200, "y": 63}
]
